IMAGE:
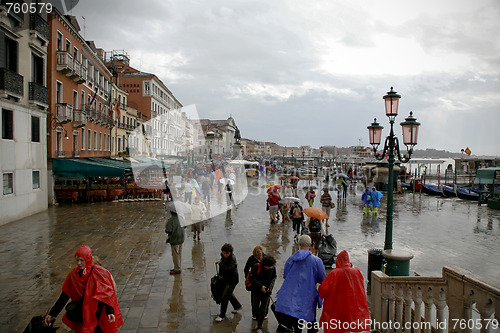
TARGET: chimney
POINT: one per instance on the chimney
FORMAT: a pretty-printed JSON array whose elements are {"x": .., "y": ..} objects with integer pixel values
[{"x": 100, "y": 54}]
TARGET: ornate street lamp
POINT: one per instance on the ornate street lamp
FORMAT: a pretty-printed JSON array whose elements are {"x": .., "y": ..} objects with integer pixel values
[{"x": 391, "y": 148}]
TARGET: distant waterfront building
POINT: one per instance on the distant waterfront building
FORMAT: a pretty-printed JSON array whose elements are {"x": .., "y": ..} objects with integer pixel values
[
  {"x": 24, "y": 39},
  {"x": 219, "y": 137}
]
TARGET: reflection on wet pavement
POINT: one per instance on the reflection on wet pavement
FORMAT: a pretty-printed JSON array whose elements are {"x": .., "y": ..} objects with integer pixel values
[{"x": 37, "y": 252}]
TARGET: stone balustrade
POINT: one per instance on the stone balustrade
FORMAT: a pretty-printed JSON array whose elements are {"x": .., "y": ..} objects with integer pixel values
[{"x": 435, "y": 304}]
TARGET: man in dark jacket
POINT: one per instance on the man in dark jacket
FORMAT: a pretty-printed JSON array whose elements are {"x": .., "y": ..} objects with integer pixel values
[
  {"x": 262, "y": 277},
  {"x": 175, "y": 234},
  {"x": 228, "y": 272}
]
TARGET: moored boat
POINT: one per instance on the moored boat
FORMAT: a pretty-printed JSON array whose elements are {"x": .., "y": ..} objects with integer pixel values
[
  {"x": 432, "y": 189},
  {"x": 448, "y": 191},
  {"x": 466, "y": 194},
  {"x": 407, "y": 186}
]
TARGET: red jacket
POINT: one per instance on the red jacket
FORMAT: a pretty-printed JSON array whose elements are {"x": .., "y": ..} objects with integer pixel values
[
  {"x": 310, "y": 195},
  {"x": 273, "y": 198},
  {"x": 343, "y": 292},
  {"x": 98, "y": 286}
]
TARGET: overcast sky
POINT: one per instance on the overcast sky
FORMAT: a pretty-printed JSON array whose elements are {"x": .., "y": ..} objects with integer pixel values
[{"x": 313, "y": 73}]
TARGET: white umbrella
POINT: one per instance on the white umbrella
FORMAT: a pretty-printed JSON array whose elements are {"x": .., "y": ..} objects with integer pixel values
[
  {"x": 290, "y": 199},
  {"x": 224, "y": 181},
  {"x": 178, "y": 207}
]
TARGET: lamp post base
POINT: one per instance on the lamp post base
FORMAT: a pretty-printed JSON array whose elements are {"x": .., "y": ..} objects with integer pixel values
[{"x": 398, "y": 262}]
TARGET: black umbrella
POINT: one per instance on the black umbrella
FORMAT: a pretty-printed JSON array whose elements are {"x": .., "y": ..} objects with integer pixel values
[
  {"x": 327, "y": 188},
  {"x": 312, "y": 187}
]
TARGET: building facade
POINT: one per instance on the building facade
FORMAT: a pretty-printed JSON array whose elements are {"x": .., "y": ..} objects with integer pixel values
[
  {"x": 219, "y": 138},
  {"x": 80, "y": 111},
  {"x": 80, "y": 115},
  {"x": 24, "y": 39},
  {"x": 163, "y": 120},
  {"x": 127, "y": 137}
]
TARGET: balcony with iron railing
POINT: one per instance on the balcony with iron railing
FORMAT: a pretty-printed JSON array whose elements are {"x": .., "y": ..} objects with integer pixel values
[
  {"x": 11, "y": 83},
  {"x": 65, "y": 62},
  {"x": 79, "y": 117},
  {"x": 60, "y": 153},
  {"x": 88, "y": 111},
  {"x": 121, "y": 125},
  {"x": 64, "y": 112},
  {"x": 104, "y": 119},
  {"x": 76, "y": 73},
  {"x": 38, "y": 94},
  {"x": 39, "y": 27},
  {"x": 83, "y": 74}
]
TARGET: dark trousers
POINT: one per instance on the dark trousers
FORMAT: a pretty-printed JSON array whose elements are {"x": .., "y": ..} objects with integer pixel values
[
  {"x": 260, "y": 304},
  {"x": 228, "y": 296},
  {"x": 297, "y": 223}
]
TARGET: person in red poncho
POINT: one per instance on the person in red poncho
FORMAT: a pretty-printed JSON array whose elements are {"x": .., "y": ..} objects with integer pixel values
[
  {"x": 344, "y": 300},
  {"x": 101, "y": 312}
]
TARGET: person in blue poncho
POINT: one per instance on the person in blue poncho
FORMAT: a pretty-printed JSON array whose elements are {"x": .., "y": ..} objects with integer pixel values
[
  {"x": 376, "y": 196},
  {"x": 366, "y": 196},
  {"x": 298, "y": 296}
]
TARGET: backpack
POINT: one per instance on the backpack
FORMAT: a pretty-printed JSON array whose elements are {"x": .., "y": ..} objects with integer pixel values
[
  {"x": 296, "y": 213},
  {"x": 315, "y": 225},
  {"x": 248, "y": 284}
]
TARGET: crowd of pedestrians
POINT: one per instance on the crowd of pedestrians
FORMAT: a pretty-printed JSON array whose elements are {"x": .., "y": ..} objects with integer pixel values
[{"x": 305, "y": 282}]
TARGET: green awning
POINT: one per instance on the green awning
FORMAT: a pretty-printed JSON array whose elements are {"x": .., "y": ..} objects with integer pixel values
[
  {"x": 486, "y": 175},
  {"x": 89, "y": 167}
]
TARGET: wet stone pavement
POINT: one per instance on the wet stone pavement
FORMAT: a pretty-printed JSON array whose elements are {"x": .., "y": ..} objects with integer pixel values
[{"x": 37, "y": 252}]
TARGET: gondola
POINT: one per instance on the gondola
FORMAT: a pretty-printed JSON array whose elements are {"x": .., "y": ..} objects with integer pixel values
[
  {"x": 466, "y": 194},
  {"x": 407, "y": 186},
  {"x": 432, "y": 189},
  {"x": 449, "y": 191}
]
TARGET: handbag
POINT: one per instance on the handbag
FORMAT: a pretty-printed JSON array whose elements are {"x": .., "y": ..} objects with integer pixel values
[
  {"x": 74, "y": 309},
  {"x": 267, "y": 205},
  {"x": 248, "y": 284},
  {"x": 332, "y": 205},
  {"x": 216, "y": 286}
]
